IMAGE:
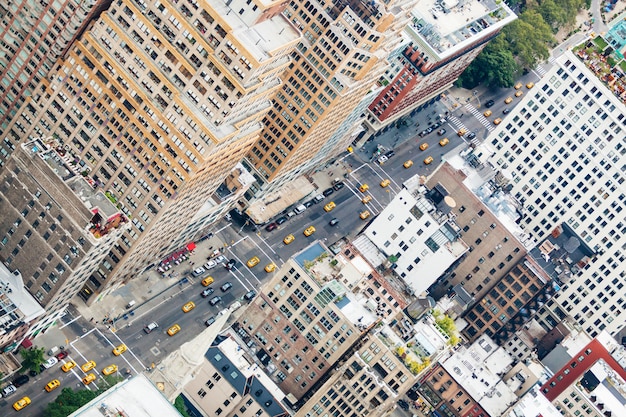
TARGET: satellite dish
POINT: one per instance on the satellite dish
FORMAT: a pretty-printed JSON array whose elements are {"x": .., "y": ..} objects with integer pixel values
[{"x": 449, "y": 201}]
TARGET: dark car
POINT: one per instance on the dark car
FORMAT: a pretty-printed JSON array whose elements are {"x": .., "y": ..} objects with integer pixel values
[
  {"x": 230, "y": 264},
  {"x": 249, "y": 295},
  {"x": 328, "y": 191},
  {"x": 506, "y": 111},
  {"x": 227, "y": 286},
  {"x": 21, "y": 380},
  {"x": 215, "y": 300},
  {"x": 471, "y": 135},
  {"x": 271, "y": 227},
  {"x": 309, "y": 203},
  {"x": 389, "y": 154},
  {"x": 207, "y": 292},
  {"x": 62, "y": 355},
  {"x": 338, "y": 186},
  {"x": 441, "y": 132},
  {"x": 403, "y": 404},
  {"x": 281, "y": 220},
  {"x": 429, "y": 130},
  {"x": 490, "y": 103},
  {"x": 210, "y": 321},
  {"x": 333, "y": 222}
]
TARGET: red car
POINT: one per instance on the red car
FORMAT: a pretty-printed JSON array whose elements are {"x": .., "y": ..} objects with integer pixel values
[
  {"x": 62, "y": 355},
  {"x": 271, "y": 227}
]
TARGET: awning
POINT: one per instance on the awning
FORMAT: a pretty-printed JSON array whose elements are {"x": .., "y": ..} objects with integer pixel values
[
  {"x": 191, "y": 246},
  {"x": 26, "y": 343}
]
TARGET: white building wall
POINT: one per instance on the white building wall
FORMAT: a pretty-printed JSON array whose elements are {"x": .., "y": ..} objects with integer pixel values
[{"x": 564, "y": 145}]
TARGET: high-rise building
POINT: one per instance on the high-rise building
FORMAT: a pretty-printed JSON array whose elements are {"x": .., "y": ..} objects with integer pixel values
[
  {"x": 155, "y": 105},
  {"x": 442, "y": 39},
  {"x": 563, "y": 145},
  {"x": 343, "y": 52},
  {"x": 56, "y": 228},
  {"x": 33, "y": 35}
]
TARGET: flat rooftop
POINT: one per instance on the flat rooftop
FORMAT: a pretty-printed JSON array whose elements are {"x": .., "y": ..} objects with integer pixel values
[
  {"x": 135, "y": 397},
  {"x": 447, "y": 25}
]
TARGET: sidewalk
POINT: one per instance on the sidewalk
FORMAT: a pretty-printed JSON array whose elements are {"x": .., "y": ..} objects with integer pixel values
[
  {"x": 54, "y": 336},
  {"x": 146, "y": 287}
]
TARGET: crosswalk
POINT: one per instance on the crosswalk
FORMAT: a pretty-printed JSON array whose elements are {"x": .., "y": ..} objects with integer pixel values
[
  {"x": 540, "y": 70},
  {"x": 458, "y": 125},
  {"x": 478, "y": 115}
]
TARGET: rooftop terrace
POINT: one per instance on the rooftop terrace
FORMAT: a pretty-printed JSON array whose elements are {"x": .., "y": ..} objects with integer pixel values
[
  {"x": 606, "y": 63},
  {"x": 447, "y": 24}
]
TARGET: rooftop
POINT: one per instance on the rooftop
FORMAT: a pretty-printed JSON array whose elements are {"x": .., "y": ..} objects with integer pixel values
[
  {"x": 606, "y": 63},
  {"x": 134, "y": 397},
  {"x": 14, "y": 296},
  {"x": 476, "y": 369},
  {"x": 447, "y": 26}
]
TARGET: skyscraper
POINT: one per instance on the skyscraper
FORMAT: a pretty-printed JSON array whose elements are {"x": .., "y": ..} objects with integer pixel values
[
  {"x": 155, "y": 105},
  {"x": 33, "y": 35},
  {"x": 443, "y": 38},
  {"x": 343, "y": 52},
  {"x": 564, "y": 146}
]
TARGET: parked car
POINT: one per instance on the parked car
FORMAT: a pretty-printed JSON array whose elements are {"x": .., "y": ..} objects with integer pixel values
[
  {"x": 210, "y": 321},
  {"x": 198, "y": 271},
  {"x": 271, "y": 227},
  {"x": 8, "y": 390},
  {"x": 62, "y": 355},
  {"x": 441, "y": 132},
  {"x": 50, "y": 363},
  {"x": 281, "y": 220},
  {"x": 328, "y": 191},
  {"x": 249, "y": 295},
  {"x": 338, "y": 186},
  {"x": 210, "y": 264}
]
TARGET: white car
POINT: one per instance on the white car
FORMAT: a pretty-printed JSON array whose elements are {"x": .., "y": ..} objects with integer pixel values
[
  {"x": 221, "y": 259},
  {"x": 198, "y": 271},
  {"x": 150, "y": 327},
  {"x": 210, "y": 265},
  {"x": 50, "y": 362}
]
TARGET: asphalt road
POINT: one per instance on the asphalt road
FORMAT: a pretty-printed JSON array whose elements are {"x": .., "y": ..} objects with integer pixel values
[{"x": 95, "y": 342}]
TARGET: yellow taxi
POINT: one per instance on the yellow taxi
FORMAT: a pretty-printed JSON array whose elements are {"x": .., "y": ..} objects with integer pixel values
[
  {"x": 207, "y": 281},
  {"x": 120, "y": 349},
  {"x": 444, "y": 142},
  {"x": 252, "y": 262},
  {"x": 173, "y": 330},
  {"x": 423, "y": 146},
  {"x": 21, "y": 403},
  {"x": 364, "y": 214},
  {"x": 111, "y": 369},
  {"x": 309, "y": 231},
  {"x": 408, "y": 164},
  {"x": 487, "y": 113},
  {"x": 67, "y": 366},
  {"x": 52, "y": 385},
  {"x": 288, "y": 239},
  {"x": 270, "y": 267},
  {"x": 189, "y": 306},
  {"x": 519, "y": 93},
  {"x": 366, "y": 199},
  {"x": 497, "y": 121},
  {"x": 88, "y": 366},
  {"x": 508, "y": 100},
  {"x": 364, "y": 187},
  {"x": 329, "y": 206},
  {"x": 530, "y": 85},
  {"x": 384, "y": 183},
  {"x": 89, "y": 379},
  {"x": 429, "y": 160},
  {"x": 518, "y": 86},
  {"x": 462, "y": 132}
]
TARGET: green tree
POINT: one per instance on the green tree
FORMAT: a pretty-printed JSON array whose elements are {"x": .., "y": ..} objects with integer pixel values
[
  {"x": 529, "y": 38},
  {"x": 179, "y": 404},
  {"x": 69, "y": 401},
  {"x": 32, "y": 358},
  {"x": 495, "y": 66}
]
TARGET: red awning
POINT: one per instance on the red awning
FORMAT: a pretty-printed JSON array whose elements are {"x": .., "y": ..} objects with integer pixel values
[
  {"x": 191, "y": 246},
  {"x": 26, "y": 343}
]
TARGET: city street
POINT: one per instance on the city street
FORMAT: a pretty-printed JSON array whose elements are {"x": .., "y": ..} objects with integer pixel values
[{"x": 89, "y": 338}]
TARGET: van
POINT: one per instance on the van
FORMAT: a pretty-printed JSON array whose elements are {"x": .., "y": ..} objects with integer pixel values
[
  {"x": 299, "y": 209},
  {"x": 131, "y": 304},
  {"x": 53, "y": 351}
]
